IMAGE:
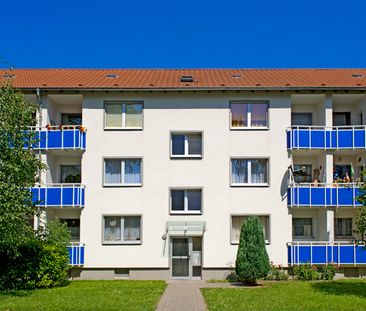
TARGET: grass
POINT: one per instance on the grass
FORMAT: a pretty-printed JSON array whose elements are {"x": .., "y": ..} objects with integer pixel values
[
  {"x": 292, "y": 295},
  {"x": 87, "y": 295}
]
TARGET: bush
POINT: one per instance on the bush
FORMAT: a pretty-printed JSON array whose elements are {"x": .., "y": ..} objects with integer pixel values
[
  {"x": 277, "y": 273},
  {"x": 252, "y": 260},
  {"x": 328, "y": 272},
  {"x": 39, "y": 262},
  {"x": 306, "y": 272},
  {"x": 53, "y": 267}
]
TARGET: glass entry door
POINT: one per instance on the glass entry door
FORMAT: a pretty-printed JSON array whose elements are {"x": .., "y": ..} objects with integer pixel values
[{"x": 186, "y": 257}]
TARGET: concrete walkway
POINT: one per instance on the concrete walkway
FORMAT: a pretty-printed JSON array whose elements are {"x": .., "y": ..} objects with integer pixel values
[
  {"x": 186, "y": 295},
  {"x": 182, "y": 296}
]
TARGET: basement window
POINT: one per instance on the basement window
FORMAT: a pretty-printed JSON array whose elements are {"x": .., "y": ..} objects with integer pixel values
[{"x": 186, "y": 79}]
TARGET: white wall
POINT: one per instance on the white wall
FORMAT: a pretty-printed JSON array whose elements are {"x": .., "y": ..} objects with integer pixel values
[{"x": 183, "y": 112}]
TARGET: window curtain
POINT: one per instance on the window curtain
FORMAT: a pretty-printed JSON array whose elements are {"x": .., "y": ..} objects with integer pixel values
[
  {"x": 195, "y": 144},
  {"x": 258, "y": 171},
  {"x": 131, "y": 229},
  {"x": 133, "y": 115},
  {"x": 343, "y": 227},
  {"x": 239, "y": 171},
  {"x": 112, "y": 172},
  {"x": 132, "y": 172},
  {"x": 70, "y": 173},
  {"x": 300, "y": 118},
  {"x": 113, "y": 115},
  {"x": 302, "y": 227},
  {"x": 259, "y": 115},
  {"x": 239, "y": 115},
  {"x": 112, "y": 228}
]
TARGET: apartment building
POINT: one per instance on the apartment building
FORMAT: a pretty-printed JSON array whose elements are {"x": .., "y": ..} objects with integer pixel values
[{"x": 154, "y": 171}]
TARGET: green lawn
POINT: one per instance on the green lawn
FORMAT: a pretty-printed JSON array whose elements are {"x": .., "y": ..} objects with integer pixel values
[
  {"x": 292, "y": 295},
  {"x": 88, "y": 295}
]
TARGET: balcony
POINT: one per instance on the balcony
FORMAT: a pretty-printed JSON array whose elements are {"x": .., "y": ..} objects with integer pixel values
[
  {"x": 323, "y": 195},
  {"x": 59, "y": 195},
  {"x": 76, "y": 254},
  {"x": 326, "y": 138},
  {"x": 68, "y": 137},
  {"x": 321, "y": 253}
]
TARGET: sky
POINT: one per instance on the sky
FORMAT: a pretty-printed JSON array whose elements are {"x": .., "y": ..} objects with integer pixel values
[{"x": 183, "y": 34}]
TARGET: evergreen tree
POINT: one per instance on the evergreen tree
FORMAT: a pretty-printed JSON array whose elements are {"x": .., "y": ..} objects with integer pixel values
[{"x": 252, "y": 260}]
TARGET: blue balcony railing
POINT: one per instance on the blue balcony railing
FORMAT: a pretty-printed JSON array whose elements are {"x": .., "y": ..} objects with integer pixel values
[
  {"x": 59, "y": 195},
  {"x": 76, "y": 254},
  {"x": 321, "y": 253},
  {"x": 323, "y": 195},
  {"x": 60, "y": 138},
  {"x": 321, "y": 137}
]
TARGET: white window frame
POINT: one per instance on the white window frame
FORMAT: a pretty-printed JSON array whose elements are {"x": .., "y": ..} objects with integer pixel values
[
  {"x": 249, "y": 116},
  {"x": 123, "y": 115},
  {"x": 249, "y": 173},
  {"x": 122, "y": 184},
  {"x": 267, "y": 241},
  {"x": 186, "y": 145},
  {"x": 186, "y": 210},
  {"x": 122, "y": 226}
]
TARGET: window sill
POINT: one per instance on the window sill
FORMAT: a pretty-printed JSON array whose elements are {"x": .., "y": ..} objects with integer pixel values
[
  {"x": 121, "y": 185},
  {"x": 122, "y": 243},
  {"x": 237, "y": 242},
  {"x": 185, "y": 213},
  {"x": 249, "y": 185},
  {"x": 172, "y": 156},
  {"x": 249, "y": 128},
  {"x": 123, "y": 128}
]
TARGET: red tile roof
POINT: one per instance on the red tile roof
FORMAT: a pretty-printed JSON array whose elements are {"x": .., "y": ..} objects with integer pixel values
[{"x": 170, "y": 78}]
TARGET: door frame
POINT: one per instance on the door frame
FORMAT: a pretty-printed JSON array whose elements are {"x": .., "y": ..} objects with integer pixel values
[{"x": 190, "y": 265}]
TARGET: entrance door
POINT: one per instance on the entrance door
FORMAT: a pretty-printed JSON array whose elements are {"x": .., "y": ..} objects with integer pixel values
[{"x": 186, "y": 257}]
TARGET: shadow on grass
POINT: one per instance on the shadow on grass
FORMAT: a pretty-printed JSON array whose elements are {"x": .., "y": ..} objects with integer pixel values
[{"x": 356, "y": 288}]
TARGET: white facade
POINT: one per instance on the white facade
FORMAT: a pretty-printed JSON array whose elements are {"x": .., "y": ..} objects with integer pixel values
[{"x": 208, "y": 113}]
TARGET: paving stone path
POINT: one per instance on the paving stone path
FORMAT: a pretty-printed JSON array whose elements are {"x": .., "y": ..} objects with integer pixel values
[{"x": 186, "y": 295}]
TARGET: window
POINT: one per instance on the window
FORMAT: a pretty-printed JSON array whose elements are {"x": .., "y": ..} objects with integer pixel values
[
  {"x": 186, "y": 201},
  {"x": 237, "y": 222},
  {"x": 246, "y": 115},
  {"x": 71, "y": 174},
  {"x": 302, "y": 227},
  {"x": 249, "y": 171},
  {"x": 343, "y": 227},
  {"x": 74, "y": 227},
  {"x": 186, "y": 145},
  {"x": 122, "y": 172},
  {"x": 302, "y": 172},
  {"x": 342, "y": 172},
  {"x": 71, "y": 119},
  {"x": 302, "y": 118},
  {"x": 121, "y": 229},
  {"x": 341, "y": 118},
  {"x": 123, "y": 115}
]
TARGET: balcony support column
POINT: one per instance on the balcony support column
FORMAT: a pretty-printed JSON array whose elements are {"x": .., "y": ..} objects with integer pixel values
[
  {"x": 328, "y": 167},
  {"x": 330, "y": 224},
  {"x": 328, "y": 110}
]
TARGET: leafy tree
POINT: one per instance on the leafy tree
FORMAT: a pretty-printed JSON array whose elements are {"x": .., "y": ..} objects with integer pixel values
[
  {"x": 361, "y": 214},
  {"x": 28, "y": 259},
  {"x": 19, "y": 168},
  {"x": 252, "y": 260}
]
